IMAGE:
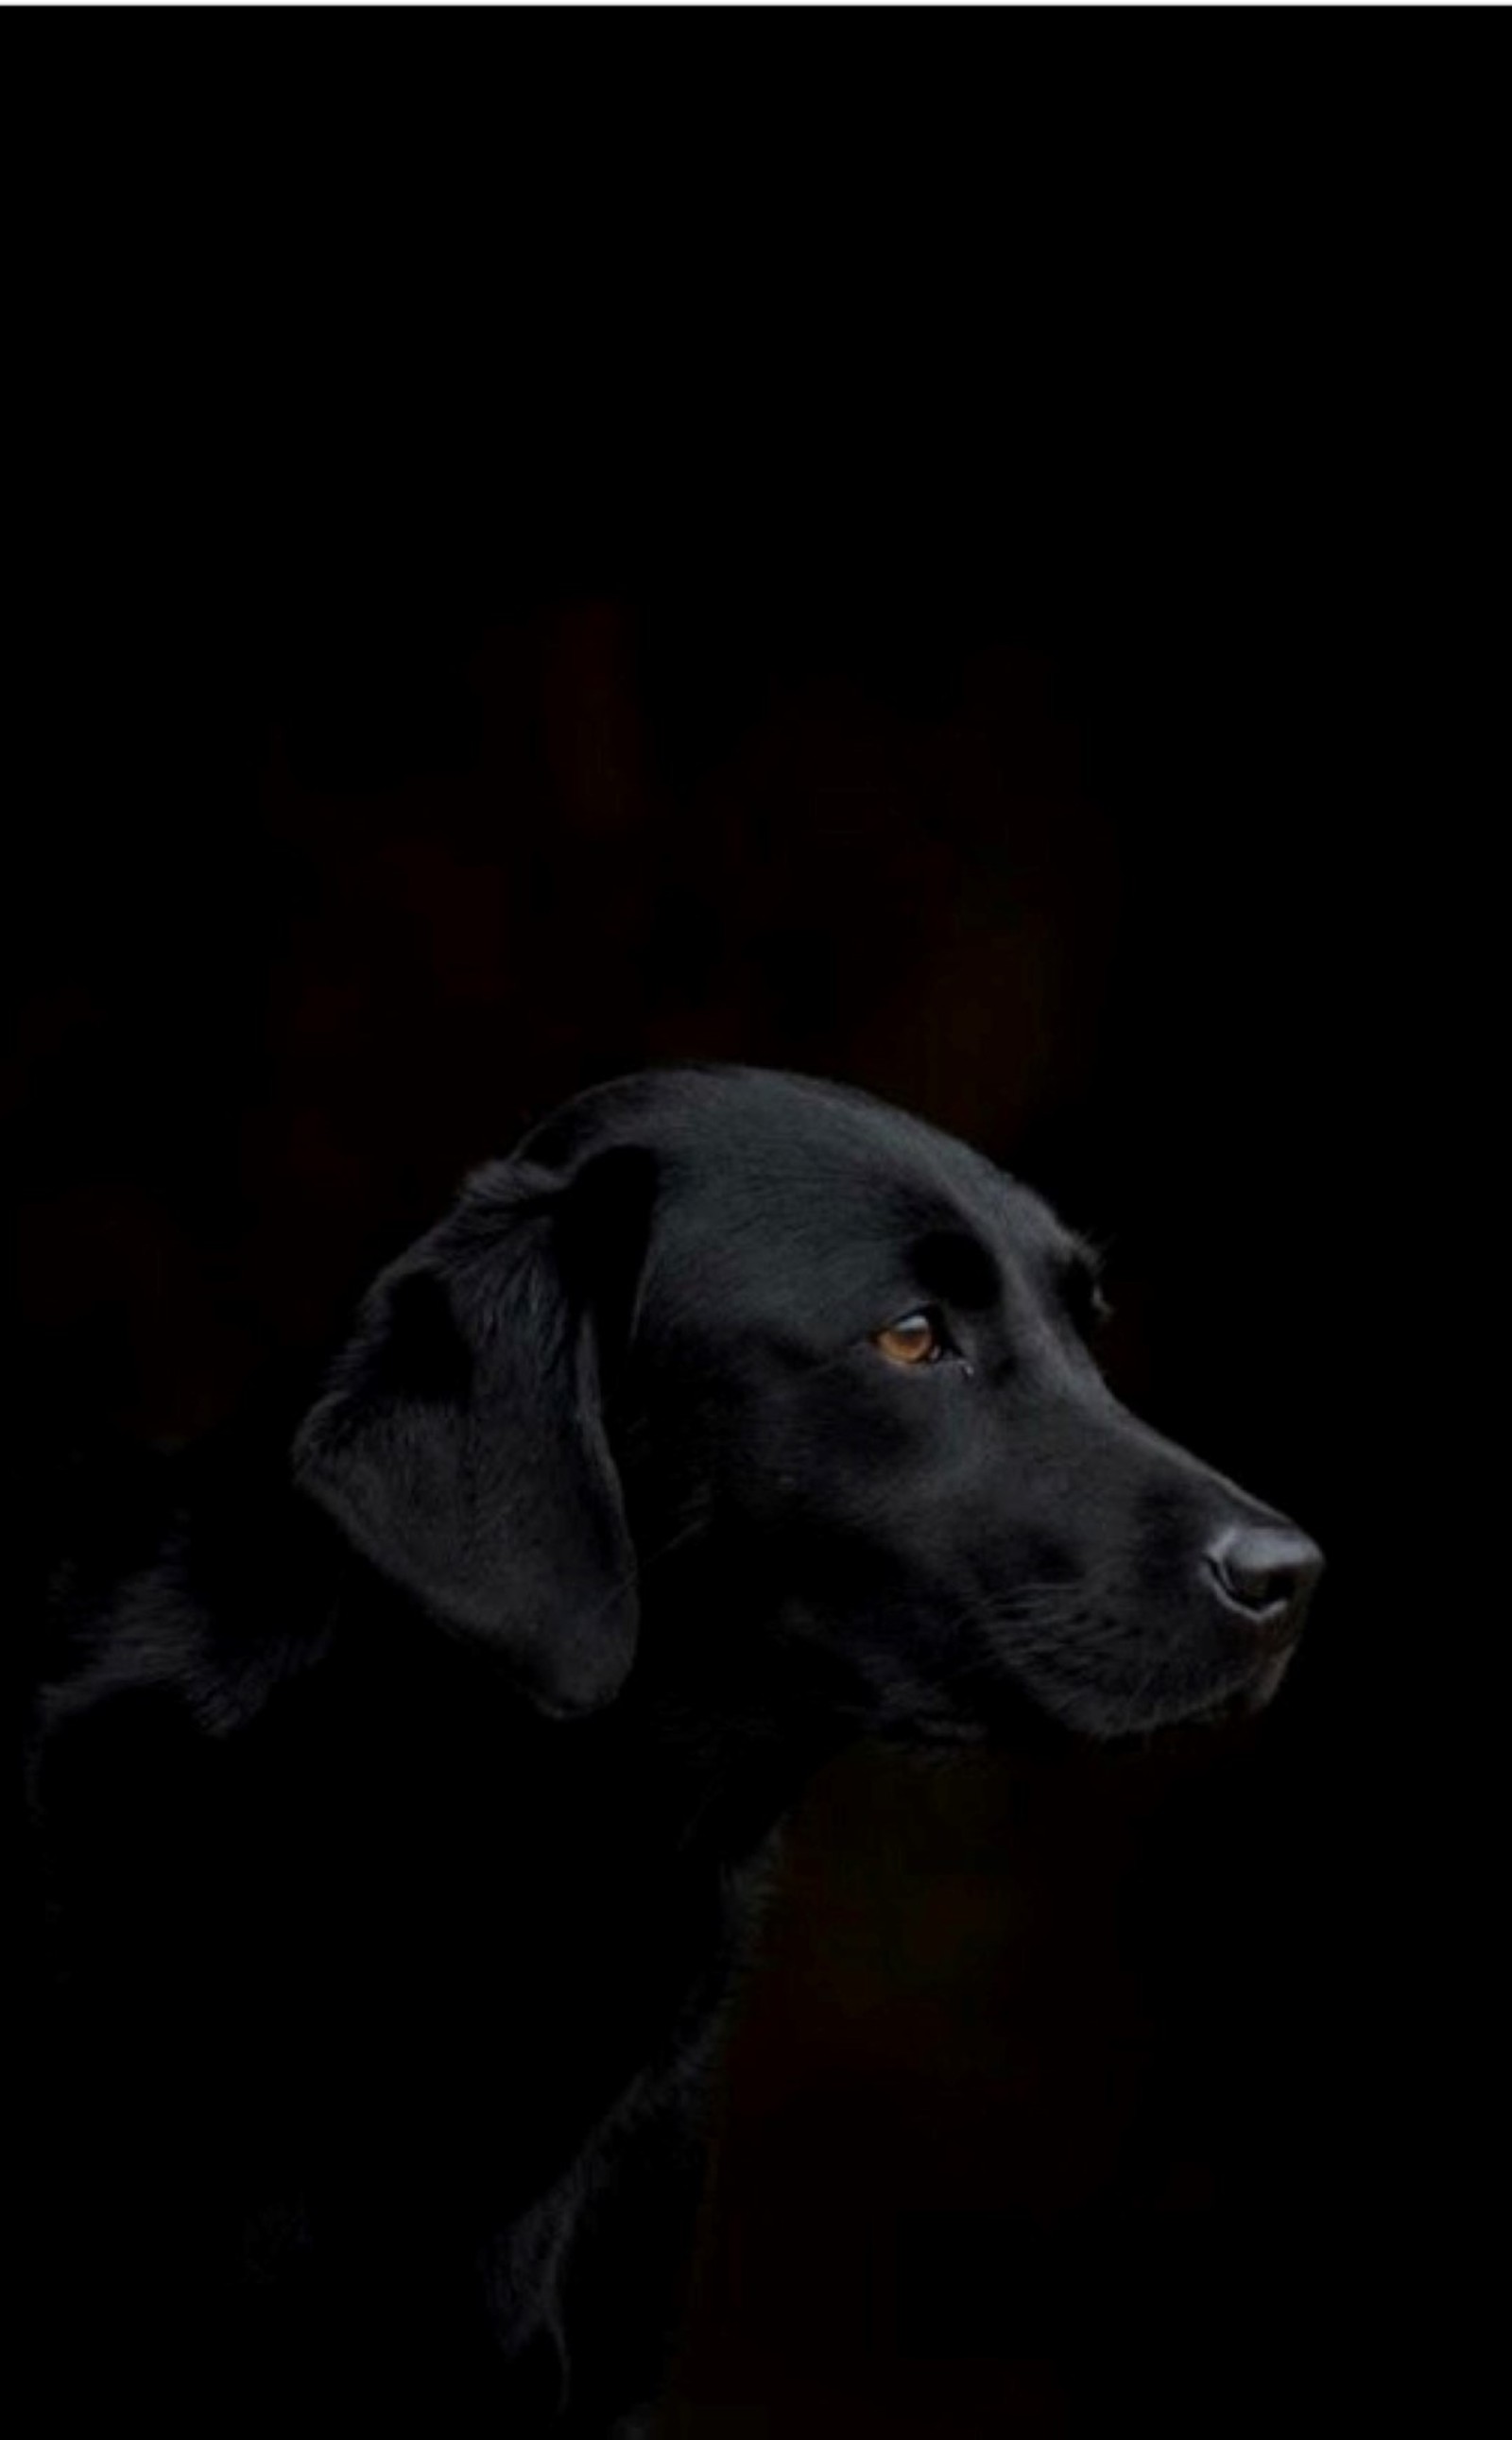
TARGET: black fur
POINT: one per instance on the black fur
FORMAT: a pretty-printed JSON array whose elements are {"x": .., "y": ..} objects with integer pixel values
[{"x": 396, "y": 1815}]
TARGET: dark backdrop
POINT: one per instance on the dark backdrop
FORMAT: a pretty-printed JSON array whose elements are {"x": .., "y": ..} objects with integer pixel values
[{"x": 1134, "y": 847}]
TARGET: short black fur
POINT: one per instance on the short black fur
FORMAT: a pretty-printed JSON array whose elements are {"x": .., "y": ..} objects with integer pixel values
[{"x": 401, "y": 1775}]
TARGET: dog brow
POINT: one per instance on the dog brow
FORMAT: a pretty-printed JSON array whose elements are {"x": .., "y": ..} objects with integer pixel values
[
  {"x": 954, "y": 1264},
  {"x": 1075, "y": 1258}
]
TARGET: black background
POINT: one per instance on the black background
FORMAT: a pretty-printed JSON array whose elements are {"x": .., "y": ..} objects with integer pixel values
[{"x": 1125, "y": 817}]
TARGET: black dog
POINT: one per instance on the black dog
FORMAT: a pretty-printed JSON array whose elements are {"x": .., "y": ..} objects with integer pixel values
[{"x": 396, "y": 1813}]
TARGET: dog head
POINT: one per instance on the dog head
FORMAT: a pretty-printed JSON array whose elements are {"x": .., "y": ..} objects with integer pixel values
[{"x": 749, "y": 1372}]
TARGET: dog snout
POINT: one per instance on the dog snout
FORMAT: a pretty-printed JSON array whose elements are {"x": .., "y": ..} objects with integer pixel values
[{"x": 1266, "y": 1575}]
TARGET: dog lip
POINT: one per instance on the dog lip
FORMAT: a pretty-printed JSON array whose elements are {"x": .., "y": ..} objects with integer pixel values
[{"x": 924, "y": 1730}]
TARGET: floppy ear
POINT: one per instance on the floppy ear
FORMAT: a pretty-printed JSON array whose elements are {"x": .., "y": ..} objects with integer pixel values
[{"x": 459, "y": 1442}]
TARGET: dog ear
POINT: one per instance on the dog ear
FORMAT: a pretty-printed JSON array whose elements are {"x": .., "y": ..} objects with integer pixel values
[{"x": 459, "y": 1442}]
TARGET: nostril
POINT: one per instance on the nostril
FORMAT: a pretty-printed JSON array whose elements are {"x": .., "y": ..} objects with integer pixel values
[{"x": 1266, "y": 1571}]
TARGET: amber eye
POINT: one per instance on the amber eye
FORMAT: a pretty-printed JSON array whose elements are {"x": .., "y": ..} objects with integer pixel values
[{"x": 917, "y": 1338}]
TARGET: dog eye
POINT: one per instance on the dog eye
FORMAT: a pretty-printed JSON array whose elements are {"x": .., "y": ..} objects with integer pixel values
[{"x": 916, "y": 1338}]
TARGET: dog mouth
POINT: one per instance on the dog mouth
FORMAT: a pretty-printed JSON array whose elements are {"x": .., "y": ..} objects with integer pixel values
[
  {"x": 1233, "y": 1714},
  {"x": 1014, "y": 1718},
  {"x": 941, "y": 1732},
  {"x": 1008, "y": 1712}
]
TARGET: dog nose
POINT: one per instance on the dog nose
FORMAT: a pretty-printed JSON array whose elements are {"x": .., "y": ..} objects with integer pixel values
[{"x": 1267, "y": 1572}]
